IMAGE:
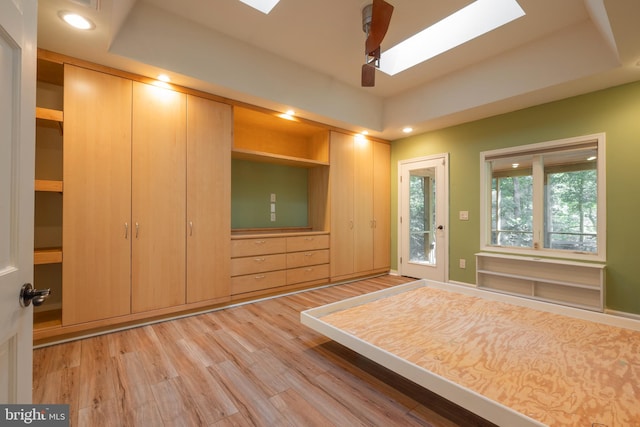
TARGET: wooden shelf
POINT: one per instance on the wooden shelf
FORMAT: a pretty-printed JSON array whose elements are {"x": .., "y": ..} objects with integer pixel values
[
  {"x": 261, "y": 156},
  {"x": 49, "y": 114},
  {"x": 47, "y": 256},
  {"x": 48, "y": 185},
  {"x": 47, "y": 319},
  {"x": 49, "y": 118},
  {"x": 262, "y": 137}
]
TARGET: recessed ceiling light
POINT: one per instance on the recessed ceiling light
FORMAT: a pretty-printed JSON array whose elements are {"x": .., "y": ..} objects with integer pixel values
[
  {"x": 365, "y": 132},
  {"x": 76, "y": 21},
  {"x": 515, "y": 165},
  {"x": 164, "y": 78},
  {"x": 408, "y": 129},
  {"x": 288, "y": 115},
  {"x": 589, "y": 159},
  {"x": 474, "y": 20},
  {"x": 263, "y": 6}
]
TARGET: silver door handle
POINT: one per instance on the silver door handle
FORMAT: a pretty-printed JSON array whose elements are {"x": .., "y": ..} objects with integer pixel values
[
  {"x": 126, "y": 230},
  {"x": 137, "y": 230},
  {"x": 190, "y": 228},
  {"x": 28, "y": 295}
]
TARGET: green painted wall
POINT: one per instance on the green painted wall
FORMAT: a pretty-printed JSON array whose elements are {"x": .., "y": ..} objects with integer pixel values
[
  {"x": 615, "y": 111},
  {"x": 251, "y": 186}
]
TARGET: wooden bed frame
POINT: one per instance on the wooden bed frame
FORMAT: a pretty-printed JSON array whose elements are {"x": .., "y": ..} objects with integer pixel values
[{"x": 510, "y": 360}]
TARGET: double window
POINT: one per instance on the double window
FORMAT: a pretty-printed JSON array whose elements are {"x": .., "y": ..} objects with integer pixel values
[{"x": 545, "y": 199}]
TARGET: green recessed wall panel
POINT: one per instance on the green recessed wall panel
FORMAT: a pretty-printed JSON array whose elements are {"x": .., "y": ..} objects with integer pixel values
[
  {"x": 615, "y": 111},
  {"x": 252, "y": 184}
]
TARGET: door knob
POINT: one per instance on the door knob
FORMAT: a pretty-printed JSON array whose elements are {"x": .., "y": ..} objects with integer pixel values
[
  {"x": 441, "y": 227},
  {"x": 28, "y": 295}
]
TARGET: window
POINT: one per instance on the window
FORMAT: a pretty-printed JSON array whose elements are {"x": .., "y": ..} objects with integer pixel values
[{"x": 545, "y": 199}]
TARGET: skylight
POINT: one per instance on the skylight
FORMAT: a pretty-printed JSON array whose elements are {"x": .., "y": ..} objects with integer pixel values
[
  {"x": 263, "y": 6},
  {"x": 474, "y": 20}
]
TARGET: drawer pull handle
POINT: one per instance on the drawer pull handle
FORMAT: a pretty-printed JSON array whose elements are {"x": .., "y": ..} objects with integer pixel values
[
  {"x": 310, "y": 254},
  {"x": 308, "y": 239},
  {"x": 308, "y": 270},
  {"x": 261, "y": 276},
  {"x": 259, "y": 242},
  {"x": 259, "y": 259}
]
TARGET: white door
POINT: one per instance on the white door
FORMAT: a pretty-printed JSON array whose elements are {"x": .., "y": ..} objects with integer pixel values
[
  {"x": 18, "y": 20},
  {"x": 423, "y": 208}
]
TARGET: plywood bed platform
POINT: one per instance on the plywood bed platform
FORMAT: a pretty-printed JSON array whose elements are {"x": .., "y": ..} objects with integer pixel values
[{"x": 513, "y": 361}]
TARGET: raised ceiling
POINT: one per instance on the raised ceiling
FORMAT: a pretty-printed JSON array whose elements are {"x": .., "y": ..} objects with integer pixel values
[{"x": 306, "y": 55}]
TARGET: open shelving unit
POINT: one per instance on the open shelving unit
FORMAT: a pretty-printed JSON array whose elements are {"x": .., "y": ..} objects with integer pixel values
[
  {"x": 263, "y": 137},
  {"x": 48, "y": 188},
  {"x": 571, "y": 283}
]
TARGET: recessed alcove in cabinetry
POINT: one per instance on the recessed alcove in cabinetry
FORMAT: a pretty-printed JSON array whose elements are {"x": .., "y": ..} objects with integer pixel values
[
  {"x": 293, "y": 148},
  {"x": 48, "y": 187}
]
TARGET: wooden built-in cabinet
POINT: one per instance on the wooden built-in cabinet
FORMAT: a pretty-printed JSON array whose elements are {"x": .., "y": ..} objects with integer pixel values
[
  {"x": 158, "y": 261},
  {"x": 265, "y": 264},
  {"x": 209, "y": 130},
  {"x": 147, "y": 205},
  {"x": 360, "y": 198},
  {"x": 145, "y": 180},
  {"x": 97, "y": 198}
]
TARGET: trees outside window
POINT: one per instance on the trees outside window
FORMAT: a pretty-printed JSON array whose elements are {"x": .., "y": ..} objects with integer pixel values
[{"x": 546, "y": 197}]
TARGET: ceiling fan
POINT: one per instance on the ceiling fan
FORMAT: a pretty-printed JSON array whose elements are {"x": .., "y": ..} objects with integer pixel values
[{"x": 375, "y": 23}]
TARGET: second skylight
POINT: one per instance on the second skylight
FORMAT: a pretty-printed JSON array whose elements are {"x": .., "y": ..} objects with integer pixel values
[{"x": 474, "y": 20}]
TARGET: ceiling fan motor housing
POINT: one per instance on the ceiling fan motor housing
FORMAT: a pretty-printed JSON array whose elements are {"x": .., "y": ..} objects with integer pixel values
[{"x": 367, "y": 13}]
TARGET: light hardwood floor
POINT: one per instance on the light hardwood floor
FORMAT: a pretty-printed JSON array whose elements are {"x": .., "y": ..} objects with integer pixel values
[{"x": 254, "y": 364}]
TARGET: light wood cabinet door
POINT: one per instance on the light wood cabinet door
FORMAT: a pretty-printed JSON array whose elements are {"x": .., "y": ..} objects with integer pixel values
[
  {"x": 342, "y": 194},
  {"x": 363, "y": 205},
  {"x": 381, "y": 205},
  {"x": 158, "y": 198},
  {"x": 208, "y": 199},
  {"x": 97, "y": 196}
]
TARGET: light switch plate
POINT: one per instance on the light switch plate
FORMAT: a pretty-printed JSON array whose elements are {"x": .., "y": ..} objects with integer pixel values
[{"x": 464, "y": 216}]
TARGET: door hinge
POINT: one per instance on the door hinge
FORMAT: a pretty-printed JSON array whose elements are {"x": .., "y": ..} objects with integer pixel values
[
  {"x": 400, "y": 179},
  {"x": 400, "y": 260},
  {"x": 400, "y": 220}
]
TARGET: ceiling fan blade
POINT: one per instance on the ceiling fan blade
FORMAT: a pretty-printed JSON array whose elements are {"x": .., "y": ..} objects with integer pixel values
[
  {"x": 368, "y": 75},
  {"x": 380, "y": 19}
]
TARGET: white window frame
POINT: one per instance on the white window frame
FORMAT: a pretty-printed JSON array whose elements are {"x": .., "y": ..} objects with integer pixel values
[{"x": 485, "y": 199}]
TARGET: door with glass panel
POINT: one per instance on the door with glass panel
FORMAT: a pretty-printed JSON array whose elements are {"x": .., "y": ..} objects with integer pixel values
[{"x": 423, "y": 218}]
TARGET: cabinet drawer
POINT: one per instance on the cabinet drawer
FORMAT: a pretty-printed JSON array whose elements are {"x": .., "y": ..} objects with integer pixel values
[
  {"x": 307, "y": 243},
  {"x": 250, "y": 247},
  {"x": 302, "y": 259},
  {"x": 307, "y": 274},
  {"x": 257, "y": 282},
  {"x": 257, "y": 264}
]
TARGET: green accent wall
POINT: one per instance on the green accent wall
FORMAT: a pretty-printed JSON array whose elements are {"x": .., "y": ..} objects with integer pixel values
[
  {"x": 252, "y": 184},
  {"x": 615, "y": 111}
]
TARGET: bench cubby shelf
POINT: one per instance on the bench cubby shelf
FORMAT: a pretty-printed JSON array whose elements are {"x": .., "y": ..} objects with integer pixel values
[{"x": 576, "y": 284}]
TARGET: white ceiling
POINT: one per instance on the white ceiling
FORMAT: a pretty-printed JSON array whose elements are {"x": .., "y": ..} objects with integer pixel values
[{"x": 307, "y": 55}]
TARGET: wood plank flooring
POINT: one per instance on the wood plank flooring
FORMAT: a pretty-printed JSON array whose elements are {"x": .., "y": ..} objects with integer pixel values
[{"x": 251, "y": 365}]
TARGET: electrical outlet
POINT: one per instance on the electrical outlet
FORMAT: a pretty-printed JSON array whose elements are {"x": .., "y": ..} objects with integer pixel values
[
  {"x": 464, "y": 216},
  {"x": 273, "y": 197},
  {"x": 273, "y": 217},
  {"x": 273, "y": 207},
  {"x": 463, "y": 263}
]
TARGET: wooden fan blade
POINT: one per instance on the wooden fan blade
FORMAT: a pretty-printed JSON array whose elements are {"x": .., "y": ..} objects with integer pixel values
[
  {"x": 380, "y": 19},
  {"x": 368, "y": 75}
]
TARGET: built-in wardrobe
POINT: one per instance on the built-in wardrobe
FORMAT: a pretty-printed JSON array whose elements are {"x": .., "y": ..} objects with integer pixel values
[{"x": 134, "y": 201}]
